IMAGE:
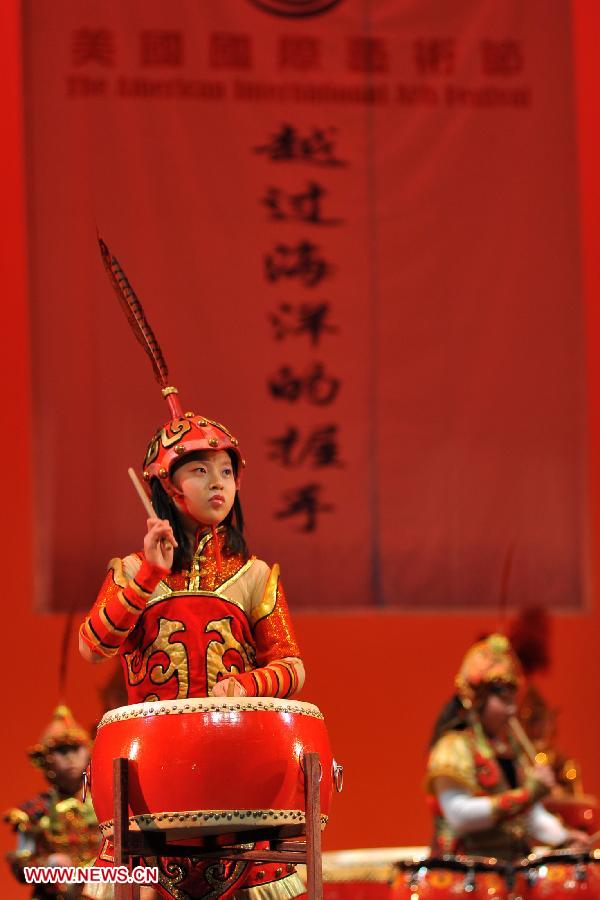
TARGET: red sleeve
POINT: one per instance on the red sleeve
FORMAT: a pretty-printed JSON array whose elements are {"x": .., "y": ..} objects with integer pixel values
[{"x": 119, "y": 606}]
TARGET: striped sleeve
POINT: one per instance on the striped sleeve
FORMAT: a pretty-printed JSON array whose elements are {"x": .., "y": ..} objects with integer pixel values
[
  {"x": 118, "y": 606},
  {"x": 281, "y": 678}
]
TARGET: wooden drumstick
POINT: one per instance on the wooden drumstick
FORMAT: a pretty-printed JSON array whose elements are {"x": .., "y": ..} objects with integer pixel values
[
  {"x": 146, "y": 502},
  {"x": 231, "y": 687},
  {"x": 521, "y": 736}
]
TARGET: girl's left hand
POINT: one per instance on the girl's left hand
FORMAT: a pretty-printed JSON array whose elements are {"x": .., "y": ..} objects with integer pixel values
[
  {"x": 228, "y": 687},
  {"x": 578, "y": 841}
]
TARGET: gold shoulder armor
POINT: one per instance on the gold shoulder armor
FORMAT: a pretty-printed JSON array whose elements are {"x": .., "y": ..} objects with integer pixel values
[
  {"x": 17, "y": 819},
  {"x": 452, "y": 757},
  {"x": 269, "y": 598}
]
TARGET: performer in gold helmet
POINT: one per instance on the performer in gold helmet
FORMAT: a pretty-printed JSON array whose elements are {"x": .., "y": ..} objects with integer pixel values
[
  {"x": 485, "y": 793},
  {"x": 57, "y": 827}
]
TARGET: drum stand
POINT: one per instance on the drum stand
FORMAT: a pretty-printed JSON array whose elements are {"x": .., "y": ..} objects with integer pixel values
[{"x": 130, "y": 844}]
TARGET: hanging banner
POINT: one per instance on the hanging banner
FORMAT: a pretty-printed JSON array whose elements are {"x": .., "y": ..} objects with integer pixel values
[{"x": 353, "y": 226}]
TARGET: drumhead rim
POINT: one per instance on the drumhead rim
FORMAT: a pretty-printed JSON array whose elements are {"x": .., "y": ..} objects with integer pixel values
[
  {"x": 209, "y": 704},
  {"x": 221, "y": 818}
]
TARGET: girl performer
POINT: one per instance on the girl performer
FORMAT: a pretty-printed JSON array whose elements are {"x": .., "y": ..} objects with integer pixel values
[
  {"x": 194, "y": 614},
  {"x": 485, "y": 793}
]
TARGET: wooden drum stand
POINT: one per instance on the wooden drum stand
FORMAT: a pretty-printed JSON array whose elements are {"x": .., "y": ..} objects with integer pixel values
[{"x": 130, "y": 845}]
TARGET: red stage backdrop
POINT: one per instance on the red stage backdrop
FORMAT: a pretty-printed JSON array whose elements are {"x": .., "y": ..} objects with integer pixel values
[{"x": 354, "y": 229}]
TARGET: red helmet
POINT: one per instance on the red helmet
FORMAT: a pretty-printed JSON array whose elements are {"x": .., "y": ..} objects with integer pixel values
[{"x": 182, "y": 435}]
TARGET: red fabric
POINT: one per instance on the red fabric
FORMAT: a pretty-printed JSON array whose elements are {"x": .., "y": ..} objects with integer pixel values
[
  {"x": 436, "y": 421},
  {"x": 117, "y": 609}
]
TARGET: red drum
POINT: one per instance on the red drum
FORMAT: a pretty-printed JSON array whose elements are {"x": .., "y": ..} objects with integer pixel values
[
  {"x": 449, "y": 876},
  {"x": 365, "y": 874},
  {"x": 212, "y": 766},
  {"x": 563, "y": 875},
  {"x": 358, "y": 890},
  {"x": 576, "y": 811}
]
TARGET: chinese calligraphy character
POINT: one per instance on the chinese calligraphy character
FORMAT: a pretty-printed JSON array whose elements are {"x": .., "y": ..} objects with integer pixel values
[
  {"x": 320, "y": 449},
  {"x": 93, "y": 45},
  {"x": 503, "y": 58},
  {"x": 161, "y": 48},
  {"x": 304, "y": 501},
  {"x": 230, "y": 50},
  {"x": 303, "y": 207},
  {"x": 302, "y": 54},
  {"x": 435, "y": 56},
  {"x": 316, "y": 148},
  {"x": 302, "y": 262},
  {"x": 367, "y": 54},
  {"x": 305, "y": 318},
  {"x": 316, "y": 385}
]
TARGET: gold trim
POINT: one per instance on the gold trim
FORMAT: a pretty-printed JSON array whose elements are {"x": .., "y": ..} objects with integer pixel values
[
  {"x": 103, "y": 616},
  {"x": 166, "y": 392},
  {"x": 214, "y": 820},
  {"x": 218, "y": 425},
  {"x": 98, "y": 891},
  {"x": 283, "y": 889},
  {"x": 451, "y": 774},
  {"x": 383, "y": 873},
  {"x": 204, "y": 541},
  {"x": 269, "y": 597},
  {"x": 235, "y": 576},
  {"x": 119, "y": 575},
  {"x": 130, "y": 608},
  {"x": 218, "y": 647},
  {"x": 139, "y": 664},
  {"x": 172, "y": 594},
  {"x": 210, "y": 705},
  {"x": 194, "y": 576},
  {"x": 142, "y": 593},
  {"x": 104, "y": 649}
]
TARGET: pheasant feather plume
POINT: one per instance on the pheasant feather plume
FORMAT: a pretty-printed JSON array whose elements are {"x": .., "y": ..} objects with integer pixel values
[{"x": 135, "y": 314}]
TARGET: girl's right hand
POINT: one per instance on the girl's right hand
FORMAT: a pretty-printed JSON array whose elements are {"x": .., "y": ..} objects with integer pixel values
[
  {"x": 545, "y": 775},
  {"x": 159, "y": 543}
]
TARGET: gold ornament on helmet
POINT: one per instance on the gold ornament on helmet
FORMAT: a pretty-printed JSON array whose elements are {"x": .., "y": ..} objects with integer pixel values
[{"x": 491, "y": 660}]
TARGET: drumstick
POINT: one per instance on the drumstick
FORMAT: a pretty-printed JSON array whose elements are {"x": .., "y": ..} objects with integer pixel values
[
  {"x": 146, "y": 502},
  {"x": 519, "y": 732},
  {"x": 231, "y": 687}
]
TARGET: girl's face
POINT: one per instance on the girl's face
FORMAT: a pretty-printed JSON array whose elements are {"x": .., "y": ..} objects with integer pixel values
[
  {"x": 205, "y": 488},
  {"x": 500, "y": 705}
]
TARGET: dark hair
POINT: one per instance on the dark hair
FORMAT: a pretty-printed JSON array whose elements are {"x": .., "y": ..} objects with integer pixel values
[
  {"x": 453, "y": 717},
  {"x": 165, "y": 509}
]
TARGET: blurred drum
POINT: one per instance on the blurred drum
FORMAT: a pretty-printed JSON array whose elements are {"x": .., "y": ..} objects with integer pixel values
[
  {"x": 364, "y": 874},
  {"x": 562, "y": 875},
  {"x": 212, "y": 766},
  {"x": 449, "y": 876},
  {"x": 579, "y": 811}
]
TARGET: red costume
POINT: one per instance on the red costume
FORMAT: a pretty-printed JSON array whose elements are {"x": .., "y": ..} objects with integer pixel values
[{"x": 179, "y": 634}]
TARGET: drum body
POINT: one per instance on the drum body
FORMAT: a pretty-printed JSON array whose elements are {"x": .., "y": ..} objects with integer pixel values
[
  {"x": 211, "y": 766},
  {"x": 365, "y": 874},
  {"x": 576, "y": 811},
  {"x": 563, "y": 876},
  {"x": 449, "y": 877}
]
